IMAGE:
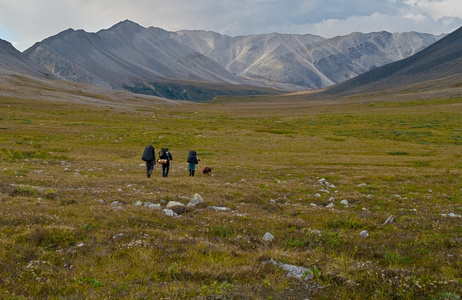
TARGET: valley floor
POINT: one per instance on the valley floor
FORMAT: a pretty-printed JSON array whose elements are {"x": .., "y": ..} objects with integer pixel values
[{"x": 365, "y": 196}]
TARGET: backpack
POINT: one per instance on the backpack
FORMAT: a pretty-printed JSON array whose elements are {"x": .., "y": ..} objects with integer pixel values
[
  {"x": 148, "y": 153},
  {"x": 162, "y": 153}
]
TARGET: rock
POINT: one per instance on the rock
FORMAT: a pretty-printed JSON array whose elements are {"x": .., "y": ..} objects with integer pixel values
[
  {"x": 138, "y": 203},
  {"x": 312, "y": 204},
  {"x": 115, "y": 203},
  {"x": 317, "y": 195},
  {"x": 196, "y": 199},
  {"x": 331, "y": 199},
  {"x": 174, "y": 203},
  {"x": 178, "y": 209},
  {"x": 362, "y": 184},
  {"x": 294, "y": 271},
  {"x": 364, "y": 234},
  {"x": 451, "y": 215},
  {"x": 389, "y": 220},
  {"x": 152, "y": 205},
  {"x": 344, "y": 202},
  {"x": 201, "y": 205},
  {"x": 268, "y": 237},
  {"x": 118, "y": 236},
  {"x": 218, "y": 208},
  {"x": 170, "y": 213},
  {"x": 330, "y": 205}
]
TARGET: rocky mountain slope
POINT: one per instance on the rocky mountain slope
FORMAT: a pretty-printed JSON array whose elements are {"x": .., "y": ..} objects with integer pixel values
[
  {"x": 440, "y": 62},
  {"x": 14, "y": 62},
  {"x": 304, "y": 61},
  {"x": 202, "y": 65}
]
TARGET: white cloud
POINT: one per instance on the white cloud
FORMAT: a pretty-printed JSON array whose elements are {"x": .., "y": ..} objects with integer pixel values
[
  {"x": 29, "y": 21},
  {"x": 438, "y": 9}
]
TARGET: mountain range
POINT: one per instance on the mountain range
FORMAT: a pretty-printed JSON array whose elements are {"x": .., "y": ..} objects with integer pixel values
[
  {"x": 199, "y": 65},
  {"x": 437, "y": 66}
]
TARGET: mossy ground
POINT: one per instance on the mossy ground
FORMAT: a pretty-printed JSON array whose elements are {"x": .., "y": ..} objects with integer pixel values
[{"x": 62, "y": 165}]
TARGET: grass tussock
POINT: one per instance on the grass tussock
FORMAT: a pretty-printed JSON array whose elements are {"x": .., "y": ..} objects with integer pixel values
[{"x": 71, "y": 174}]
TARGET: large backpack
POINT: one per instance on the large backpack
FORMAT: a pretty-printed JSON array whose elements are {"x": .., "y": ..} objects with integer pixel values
[
  {"x": 162, "y": 153},
  {"x": 148, "y": 153}
]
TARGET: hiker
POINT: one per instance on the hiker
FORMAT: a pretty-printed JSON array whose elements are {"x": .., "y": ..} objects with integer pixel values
[
  {"x": 164, "y": 158},
  {"x": 192, "y": 162},
  {"x": 149, "y": 157}
]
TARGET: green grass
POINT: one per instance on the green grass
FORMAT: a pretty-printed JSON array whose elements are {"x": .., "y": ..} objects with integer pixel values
[{"x": 61, "y": 237}]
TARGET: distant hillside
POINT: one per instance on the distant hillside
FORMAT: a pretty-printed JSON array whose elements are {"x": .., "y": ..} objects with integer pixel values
[
  {"x": 14, "y": 62},
  {"x": 199, "y": 65},
  {"x": 301, "y": 62},
  {"x": 441, "y": 60}
]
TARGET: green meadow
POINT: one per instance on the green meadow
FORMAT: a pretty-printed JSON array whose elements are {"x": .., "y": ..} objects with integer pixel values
[{"x": 70, "y": 175}]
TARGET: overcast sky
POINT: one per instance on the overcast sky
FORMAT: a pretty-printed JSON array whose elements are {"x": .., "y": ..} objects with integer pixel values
[{"x": 24, "y": 22}]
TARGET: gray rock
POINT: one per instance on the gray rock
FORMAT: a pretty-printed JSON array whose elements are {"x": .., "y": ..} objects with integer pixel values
[
  {"x": 115, "y": 203},
  {"x": 138, "y": 203},
  {"x": 152, "y": 205},
  {"x": 218, "y": 208},
  {"x": 364, "y": 234},
  {"x": 174, "y": 203},
  {"x": 451, "y": 215},
  {"x": 268, "y": 237},
  {"x": 118, "y": 236},
  {"x": 330, "y": 205},
  {"x": 295, "y": 271},
  {"x": 196, "y": 199},
  {"x": 170, "y": 213},
  {"x": 344, "y": 202}
]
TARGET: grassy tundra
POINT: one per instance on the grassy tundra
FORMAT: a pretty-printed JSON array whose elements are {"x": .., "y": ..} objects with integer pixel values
[{"x": 63, "y": 166}]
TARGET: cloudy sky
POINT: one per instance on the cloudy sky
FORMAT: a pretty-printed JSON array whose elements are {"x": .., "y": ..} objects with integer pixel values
[{"x": 24, "y": 22}]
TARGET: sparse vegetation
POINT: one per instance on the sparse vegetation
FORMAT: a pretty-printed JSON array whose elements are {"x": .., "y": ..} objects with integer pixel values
[{"x": 61, "y": 170}]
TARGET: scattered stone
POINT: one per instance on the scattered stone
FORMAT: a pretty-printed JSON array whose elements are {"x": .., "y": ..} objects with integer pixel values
[
  {"x": 80, "y": 245},
  {"x": 312, "y": 204},
  {"x": 330, "y": 205},
  {"x": 178, "y": 209},
  {"x": 364, "y": 234},
  {"x": 171, "y": 204},
  {"x": 101, "y": 201},
  {"x": 272, "y": 201},
  {"x": 115, "y": 203},
  {"x": 451, "y": 215},
  {"x": 345, "y": 202},
  {"x": 170, "y": 213},
  {"x": 196, "y": 199},
  {"x": 152, "y": 205},
  {"x": 390, "y": 220},
  {"x": 268, "y": 237},
  {"x": 218, "y": 208},
  {"x": 138, "y": 203},
  {"x": 362, "y": 184},
  {"x": 331, "y": 199},
  {"x": 317, "y": 195},
  {"x": 294, "y": 271},
  {"x": 201, "y": 205},
  {"x": 118, "y": 236}
]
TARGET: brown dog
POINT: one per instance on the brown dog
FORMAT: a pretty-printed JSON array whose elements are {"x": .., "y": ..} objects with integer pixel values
[{"x": 207, "y": 171}]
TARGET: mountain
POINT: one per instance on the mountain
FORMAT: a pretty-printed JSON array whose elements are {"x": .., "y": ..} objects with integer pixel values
[
  {"x": 202, "y": 64},
  {"x": 304, "y": 61},
  {"x": 131, "y": 57},
  {"x": 440, "y": 61},
  {"x": 14, "y": 62}
]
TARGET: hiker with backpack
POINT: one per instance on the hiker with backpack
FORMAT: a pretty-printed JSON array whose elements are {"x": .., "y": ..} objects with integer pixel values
[
  {"x": 149, "y": 157},
  {"x": 164, "y": 158},
  {"x": 192, "y": 162}
]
